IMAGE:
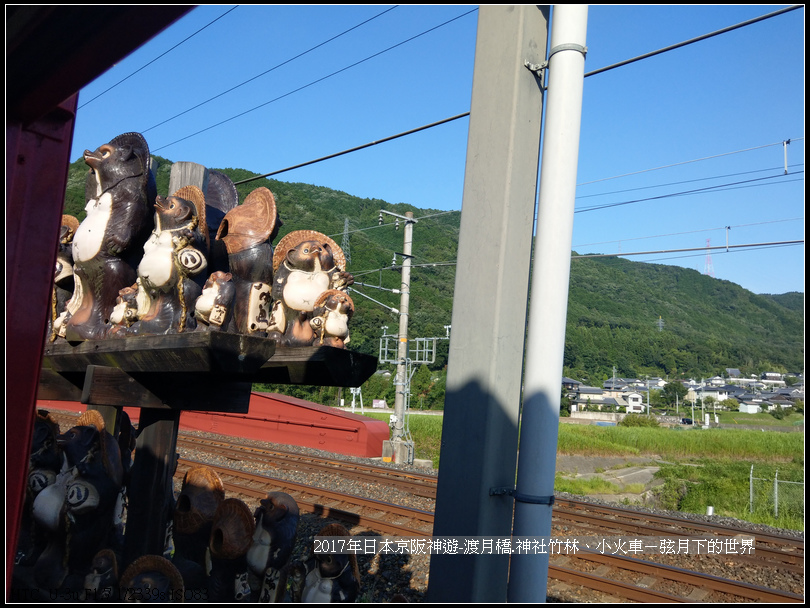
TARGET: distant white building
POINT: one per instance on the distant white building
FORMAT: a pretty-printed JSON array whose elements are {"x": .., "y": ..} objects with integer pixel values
[{"x": 635, "y": 403}]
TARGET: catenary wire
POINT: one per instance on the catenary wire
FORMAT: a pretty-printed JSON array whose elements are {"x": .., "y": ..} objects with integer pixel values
[
  {"x": 687, "y": 181},
  {"x": 158, "y": 57},
  {"x": 464, "y": 114},
  {"x": 724, "y": 30},
  {"x": 275, "y": 67},
  {"x": 686, "y": 162},
  {"x": 658, "y": 236},
  {"x": 314, "y": 82},
  {"x": 684, "y": 193}
]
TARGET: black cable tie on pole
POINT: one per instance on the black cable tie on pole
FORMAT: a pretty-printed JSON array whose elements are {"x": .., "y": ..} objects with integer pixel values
[{"x": 535, "y": 500}]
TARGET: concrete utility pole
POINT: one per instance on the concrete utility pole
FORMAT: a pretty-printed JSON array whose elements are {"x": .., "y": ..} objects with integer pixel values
[
  {"x": 398, "y": 450},
  {"x": 482, "y": 401},
  {"x": 540, "y": 418}
]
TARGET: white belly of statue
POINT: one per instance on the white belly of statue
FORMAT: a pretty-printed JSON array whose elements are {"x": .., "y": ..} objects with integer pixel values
[
  {"x": 337, "y": 324},
  {"x": 90, "y": 234},
  {"x": 303, "y": 288},
  {"x": 157, "y": 266}
]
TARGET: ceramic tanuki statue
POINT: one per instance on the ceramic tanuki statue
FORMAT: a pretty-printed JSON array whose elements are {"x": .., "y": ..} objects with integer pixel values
[
  {"x": 231, "y": 535},
  {"x": 44, "y": 465},
  {"x": 330, "y": 318},
  {"x": 214, "y": 308},
  {"x": 79, "y": 508},
  {"x": 120, "y": 192},
  {"x": 220, "y": 198},
  {"x": 307, "y": 264},
  {"x": 174, "y": 255},
  {"x": 248, "y": 232},
  {"x": 326, "y": 578},
  {"x": 273, "y": 543},
  {"x": 63, "y": 281}
]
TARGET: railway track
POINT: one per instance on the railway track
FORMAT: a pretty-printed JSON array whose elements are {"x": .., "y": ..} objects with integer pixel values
[
  {"x": 644, "y": 581},
  {"x": 642, "y": 578}
]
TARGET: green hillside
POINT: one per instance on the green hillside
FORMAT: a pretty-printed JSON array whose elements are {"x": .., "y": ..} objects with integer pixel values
[{"x": 614, "y": 306}]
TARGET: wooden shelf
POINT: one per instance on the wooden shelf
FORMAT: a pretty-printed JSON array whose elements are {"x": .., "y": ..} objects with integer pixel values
[{"x": 218, "y": 356}]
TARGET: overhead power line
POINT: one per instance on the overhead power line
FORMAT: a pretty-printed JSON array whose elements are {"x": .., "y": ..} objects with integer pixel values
[
  {"x": 703, "y": 249},
  {"x": 658, "y": 236},
  {"x": 301, "y": 88},
  {"x": 685, "y": 181},
  {"x": 158, "y": 57},
  {"x": 465, "y": 114},
  {"x": 275, "y": 67},
  {"x": 693, "y": 40},
  {"x": 686, "y": 162},
  {"x": 684, "y": 193},
  {"x": 356, "y": 148}
]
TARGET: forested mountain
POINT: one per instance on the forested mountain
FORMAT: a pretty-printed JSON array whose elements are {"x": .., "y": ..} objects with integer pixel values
[{"x": 615, "y": 305}]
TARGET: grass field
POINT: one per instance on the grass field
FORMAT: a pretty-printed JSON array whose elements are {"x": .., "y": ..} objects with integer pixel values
[
  {"x": 761, "y": 419},
  {"x": 702, "y": 467}
]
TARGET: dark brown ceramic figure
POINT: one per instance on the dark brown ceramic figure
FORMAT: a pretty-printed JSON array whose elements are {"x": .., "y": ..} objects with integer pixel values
[
  {"x": 108, "y": 244},
  {"x": 151, "y": 578},
  {"x": 79, "y": 509},
  {"x": 45, "y": 463},
  {"x": 248, "y": 232},
  {"x": 214, "y": 308},
  {"x": 220, "y": 198},
  {"x": 200, "y": 495},
  {"x": 63, "y": 280},
  {"x": 174, "y": 257},
  {"x": 307, "y": 264},
  {"x": 273, "y": 543},
  {"x": 326, "y": 578},
  {"x": 231, "y": 536},
  {"x": 330, "y": 318}
]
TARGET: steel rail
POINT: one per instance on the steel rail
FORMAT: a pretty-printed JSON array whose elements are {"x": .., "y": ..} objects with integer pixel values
[
  {"x": 690, "y": 577},
  {"x": 424, "y": 486},
  {"x": 310, "y": 499}
]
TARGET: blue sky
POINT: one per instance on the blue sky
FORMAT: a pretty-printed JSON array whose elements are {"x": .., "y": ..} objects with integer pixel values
[{"x": 674, "y": 148}]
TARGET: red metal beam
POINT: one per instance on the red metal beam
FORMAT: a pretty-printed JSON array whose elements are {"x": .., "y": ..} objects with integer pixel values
[{"x": 51, "y": 53}]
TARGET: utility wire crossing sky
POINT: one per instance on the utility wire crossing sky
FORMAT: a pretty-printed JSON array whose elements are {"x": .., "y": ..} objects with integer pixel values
[{"x": 684, "y": 146}]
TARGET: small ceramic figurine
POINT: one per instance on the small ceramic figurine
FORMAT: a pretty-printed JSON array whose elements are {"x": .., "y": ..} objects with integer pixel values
[
  {"x": 214, "y": 308},
  {"x": 327, "y": 577},
  {"x": 151, "y": 578},
  {"x": 307, "y": 264},
  {"x": 101, "y": 583},
  {"x": 273, "y": 543},
  {"x": 173, "y": 257},
  {"x": 227, "y": 565},
  {"x": 201, "y": 494},
  {"x": 220, "y": 198},
  {"x": 108, "y": 244},
  {"x": 80, "y": 507},
  {"x": 330, "y": 318},
  {"x": 44, "y": 464},
  {"x": 248, "y": 232},
  {"x": 63, "y": 281}
]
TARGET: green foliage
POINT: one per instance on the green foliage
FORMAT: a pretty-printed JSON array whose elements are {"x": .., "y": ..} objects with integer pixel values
[
  {"x": 585, "y": 487},
  {"x": 777, "y": 412},
  {"x": 673, "y": 392},
  {"x": 724, "y": 485},
  {"x": 613, "y": 308},
  {"x": 732, "y": 404},
  {"x": 639, "y": 420},
  {"x": 591, "y": 440}
]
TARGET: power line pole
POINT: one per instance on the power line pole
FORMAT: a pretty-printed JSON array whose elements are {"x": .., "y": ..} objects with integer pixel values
[
  {"x": 397, "y": 449},
  {"x": 345, "y": 244}
]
